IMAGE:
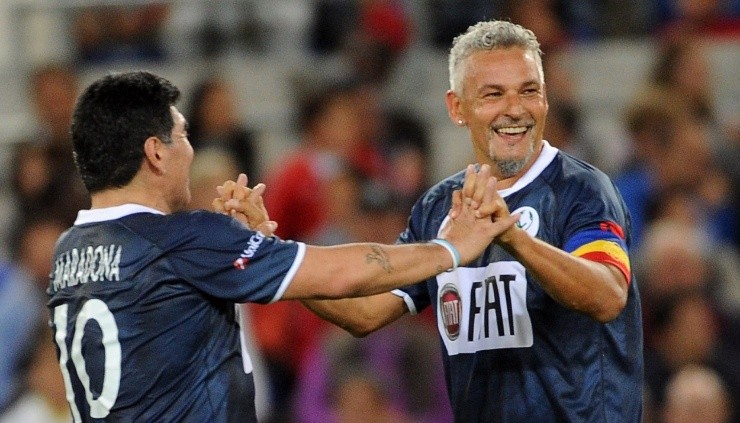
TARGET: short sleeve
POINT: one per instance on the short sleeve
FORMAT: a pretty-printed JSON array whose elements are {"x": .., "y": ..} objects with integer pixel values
[
  {"x": 596, "y": 224},
  {"x": 226, "y": 260}
]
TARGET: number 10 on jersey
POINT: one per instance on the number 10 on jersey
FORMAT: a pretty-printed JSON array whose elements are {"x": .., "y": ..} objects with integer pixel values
[{"x": 97, "y": 310}]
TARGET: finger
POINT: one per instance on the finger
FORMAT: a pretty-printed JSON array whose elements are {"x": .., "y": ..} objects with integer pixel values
[
  {"x": 255, "y": 215},
  {"x": 469, "y": 182},
  {"x": 241, "y": 180},
  {"x": 456, "y": 207},
  {"x": 481, "y": 183},
  {"x": 256, "y": 198},
  {"x": 256, "y": 195},
  {"x": 502, "y": 225},
  {"x": 492, "y": 201},
  {"x": 227, "y": 190},
  {"x": 235, "y": 205},
  {"x": 241, "y": 192},
  {"x": 218, "y": 205},
  {"x": 267, "y": 228}
]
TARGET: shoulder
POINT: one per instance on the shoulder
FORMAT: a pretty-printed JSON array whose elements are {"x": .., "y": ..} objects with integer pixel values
[
  {"x": 442, "y": 189},
  {"x": 178, "y": 218},
  {"x": 575, "y": 169},
  {"x": 432, "y": 207},
  {"x": 185, "y": 226},
  {"x": 572, "y": 176}
]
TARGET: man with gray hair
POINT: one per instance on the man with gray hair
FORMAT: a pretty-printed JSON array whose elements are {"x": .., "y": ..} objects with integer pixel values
[{"x": 545, "y": 325}]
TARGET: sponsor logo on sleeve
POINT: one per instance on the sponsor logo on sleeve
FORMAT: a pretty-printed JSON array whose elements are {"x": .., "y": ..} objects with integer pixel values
[{"x": 253, "y": 244}]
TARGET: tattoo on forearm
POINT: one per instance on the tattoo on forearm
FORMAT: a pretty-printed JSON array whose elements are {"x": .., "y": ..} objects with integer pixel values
[{"x": 379, "y": 255}]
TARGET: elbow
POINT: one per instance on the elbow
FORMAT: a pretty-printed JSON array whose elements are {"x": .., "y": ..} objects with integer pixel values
[
  {"x": 359, "y": 328},
  {"x": 611, "y": 308},
  {"x": 359, "y": 331},
  {"x": 610, "y": 302}
]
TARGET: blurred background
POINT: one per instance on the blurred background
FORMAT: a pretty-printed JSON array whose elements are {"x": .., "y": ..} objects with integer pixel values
[{"x": 338, "y": 105}]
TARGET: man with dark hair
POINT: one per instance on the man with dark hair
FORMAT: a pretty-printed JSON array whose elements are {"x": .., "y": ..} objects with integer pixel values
[{"x": 143, "y": 293}]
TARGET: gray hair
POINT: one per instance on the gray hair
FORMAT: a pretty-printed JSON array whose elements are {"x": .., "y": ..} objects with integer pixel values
[{"x": 490, "y": 35}]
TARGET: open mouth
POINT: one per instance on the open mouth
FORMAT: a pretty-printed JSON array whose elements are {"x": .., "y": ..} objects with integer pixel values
[
  {"x": 512, "y": 133},
  {"x": 512, "y": 130}
]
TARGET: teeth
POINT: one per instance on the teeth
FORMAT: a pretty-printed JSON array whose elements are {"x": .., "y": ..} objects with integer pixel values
[{"x": 513, "y": 131}]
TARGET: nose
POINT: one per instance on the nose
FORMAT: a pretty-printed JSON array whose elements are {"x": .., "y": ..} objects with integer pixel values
[{"x": 514, "y": 107}]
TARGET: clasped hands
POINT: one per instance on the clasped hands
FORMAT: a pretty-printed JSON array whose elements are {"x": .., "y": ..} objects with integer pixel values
[{"x": 244, "y": 204}]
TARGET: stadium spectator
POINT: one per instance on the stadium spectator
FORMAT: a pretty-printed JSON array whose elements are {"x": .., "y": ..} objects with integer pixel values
[
  {"x": 119, "y": 33},
  {"x": 672, "y": 150},
  {"x": 214, "y": 122},
  {"x": 20, "y": 308},
  {"x": 697, "y": 394},
  {"x": 43, "y": 399},
  {"x": 377, "y": 375}
]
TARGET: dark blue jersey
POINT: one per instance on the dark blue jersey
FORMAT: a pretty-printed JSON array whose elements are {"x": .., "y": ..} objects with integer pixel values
[
  {"x": 511, "y": 353},
  {"x": 143, "y": 311}
]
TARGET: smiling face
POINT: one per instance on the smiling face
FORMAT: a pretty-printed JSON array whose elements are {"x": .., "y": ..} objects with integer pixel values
[{"x": 502, "y": 101}]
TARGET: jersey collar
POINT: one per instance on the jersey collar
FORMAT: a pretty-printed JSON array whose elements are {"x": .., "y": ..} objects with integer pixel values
[
  {"x": 111, "y": 213},
  {"x": 547, "y": 155}
]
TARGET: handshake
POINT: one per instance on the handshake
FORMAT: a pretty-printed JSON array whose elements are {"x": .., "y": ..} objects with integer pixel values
[{"x": 477, "y": 217}]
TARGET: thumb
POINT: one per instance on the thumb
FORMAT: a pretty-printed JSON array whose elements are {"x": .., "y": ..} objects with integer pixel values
[{"x": 503, "y": 224}]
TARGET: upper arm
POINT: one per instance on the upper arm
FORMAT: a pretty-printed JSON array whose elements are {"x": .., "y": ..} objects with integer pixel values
[{"x": 596, "y": 226}]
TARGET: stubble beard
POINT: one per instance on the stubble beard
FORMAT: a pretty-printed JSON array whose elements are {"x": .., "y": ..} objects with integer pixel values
[{"x": 512, "y": 166}]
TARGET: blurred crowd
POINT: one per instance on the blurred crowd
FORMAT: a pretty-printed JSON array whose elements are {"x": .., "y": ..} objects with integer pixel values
[{"x": 358, "y": 166}]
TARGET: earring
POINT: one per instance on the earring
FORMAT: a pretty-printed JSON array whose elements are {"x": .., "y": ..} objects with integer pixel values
[{"x": 460, "y": 122}]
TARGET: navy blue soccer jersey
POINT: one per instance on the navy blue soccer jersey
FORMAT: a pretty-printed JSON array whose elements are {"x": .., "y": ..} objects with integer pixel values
[
  {"x": 511, "y": 353},
  {"x": 144, "y": 317}
]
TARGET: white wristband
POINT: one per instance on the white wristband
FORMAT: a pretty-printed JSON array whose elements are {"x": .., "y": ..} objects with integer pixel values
[{"x": 451, "y": 249}]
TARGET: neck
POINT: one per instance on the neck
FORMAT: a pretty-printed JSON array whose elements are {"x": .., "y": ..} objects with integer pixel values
[
  {"x": 508, "y": 182},
  {"x": 128, "y": 195}
]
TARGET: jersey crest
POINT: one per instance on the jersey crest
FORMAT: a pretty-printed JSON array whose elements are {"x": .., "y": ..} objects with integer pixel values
[{"x": 529, "y": 220}]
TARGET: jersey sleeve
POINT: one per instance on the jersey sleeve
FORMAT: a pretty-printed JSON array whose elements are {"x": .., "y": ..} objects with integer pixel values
[
  {"x": 226, "y": 260},
  {"x": 595, "y": 224}
]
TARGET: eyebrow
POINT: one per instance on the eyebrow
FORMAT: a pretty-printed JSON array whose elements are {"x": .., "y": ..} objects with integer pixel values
[{"x": 501, "y": 87}]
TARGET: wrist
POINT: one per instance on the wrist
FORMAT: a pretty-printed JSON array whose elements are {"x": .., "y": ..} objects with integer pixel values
[
  {"x": 511, "y": 238},
  {"x": 450, "y": 249}
]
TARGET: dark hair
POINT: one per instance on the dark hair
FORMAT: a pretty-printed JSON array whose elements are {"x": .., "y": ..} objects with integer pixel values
[{"x": 112, "y": 119}]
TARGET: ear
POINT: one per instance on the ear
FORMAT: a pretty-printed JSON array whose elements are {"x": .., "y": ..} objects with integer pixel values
[
  {"x": 544, "y": 95},
  {"x": 154, "y": 154},
  {"x": 453, "y": 108}
]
